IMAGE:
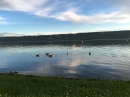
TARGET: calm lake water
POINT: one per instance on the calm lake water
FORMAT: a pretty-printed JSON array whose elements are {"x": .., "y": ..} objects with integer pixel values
[{"x": 106, "y": 62}]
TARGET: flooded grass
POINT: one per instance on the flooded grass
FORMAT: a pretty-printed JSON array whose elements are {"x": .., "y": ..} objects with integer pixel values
[{"x": 35, "y": 86}]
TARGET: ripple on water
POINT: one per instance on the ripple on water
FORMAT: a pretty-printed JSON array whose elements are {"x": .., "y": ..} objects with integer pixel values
[{"x": 105, "y": 61}]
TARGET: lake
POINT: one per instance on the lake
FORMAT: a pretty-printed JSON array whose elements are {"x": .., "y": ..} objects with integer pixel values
[{"x": 106, "y": 61}]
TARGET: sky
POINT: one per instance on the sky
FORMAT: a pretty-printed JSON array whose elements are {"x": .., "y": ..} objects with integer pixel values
[{"x": 45, "y": 17}]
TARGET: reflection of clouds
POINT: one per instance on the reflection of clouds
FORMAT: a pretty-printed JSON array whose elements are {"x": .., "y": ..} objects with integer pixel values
[
  {"x": 9, "y": 48},
  {"x": 2, "y": 65},
  {"x": 81, "y": 71},
  {"x": 83, "y": 67},
  {"x": 70, "y": 63},
  {"x": 75, "y": 63},
  {"x": 103, "y": 63},
  {"x": 44, "y": 70},
  {"x": 71, "y": 71},
  {"x": 76, "y": 47}
]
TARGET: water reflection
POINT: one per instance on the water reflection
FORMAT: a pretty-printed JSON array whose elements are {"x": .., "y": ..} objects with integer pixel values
[{"x": 106, "y": 62}]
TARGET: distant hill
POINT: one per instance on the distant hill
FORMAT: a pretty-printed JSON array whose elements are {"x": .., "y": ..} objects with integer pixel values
[{"x": 109, "y": 37}]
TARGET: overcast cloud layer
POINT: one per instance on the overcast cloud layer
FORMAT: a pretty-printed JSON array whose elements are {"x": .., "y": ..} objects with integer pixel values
[{"x": 67, "y": 10}]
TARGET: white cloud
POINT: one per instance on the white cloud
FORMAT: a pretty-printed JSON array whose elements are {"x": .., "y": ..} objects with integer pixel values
[
  {"x": 120, "y": 3},
  {"x": 3, "y": 21},
  {"x": 116, "y": 28},
  {"x": 70, "y": 10},
  {"x": 21, "y": 5},
  {"x": 115, "y": 17},
  {"x": 5, "y": 34},
  {"x": 78, "y": 31}
]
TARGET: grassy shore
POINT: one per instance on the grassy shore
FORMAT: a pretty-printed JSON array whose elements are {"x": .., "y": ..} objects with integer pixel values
[{"x": 34, "y": 86}]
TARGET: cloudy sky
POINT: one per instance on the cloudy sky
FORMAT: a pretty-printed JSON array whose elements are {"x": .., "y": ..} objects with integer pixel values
[{"x": 41, "y": 17}]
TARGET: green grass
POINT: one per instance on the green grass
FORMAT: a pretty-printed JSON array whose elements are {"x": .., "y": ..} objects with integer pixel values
[{"x": 29, "y": 86}]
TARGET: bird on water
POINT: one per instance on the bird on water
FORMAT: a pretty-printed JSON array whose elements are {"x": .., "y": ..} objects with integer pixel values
[
  {"x": 90, "y": 53},
  {"x": 47, "y": 54},
  {"x": 50, "y": 55},
  {"x": 37, "y": 55}
]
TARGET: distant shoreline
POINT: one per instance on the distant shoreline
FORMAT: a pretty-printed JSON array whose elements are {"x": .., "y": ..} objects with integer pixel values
[{"x": 112, "y": 37}]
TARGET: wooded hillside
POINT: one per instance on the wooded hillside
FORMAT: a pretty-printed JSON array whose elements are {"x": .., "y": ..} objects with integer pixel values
[{"x": 95, "y": 37}]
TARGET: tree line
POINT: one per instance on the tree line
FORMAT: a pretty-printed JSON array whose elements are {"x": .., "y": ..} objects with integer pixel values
[{"x": 93, "y": 37}]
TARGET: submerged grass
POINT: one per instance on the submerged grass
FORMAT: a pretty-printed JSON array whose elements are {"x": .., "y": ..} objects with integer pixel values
[{"x": 29, "y": 86}]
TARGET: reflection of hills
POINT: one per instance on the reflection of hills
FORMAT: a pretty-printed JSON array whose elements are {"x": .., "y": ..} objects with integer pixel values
[{"x": 111, "y": 37}]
